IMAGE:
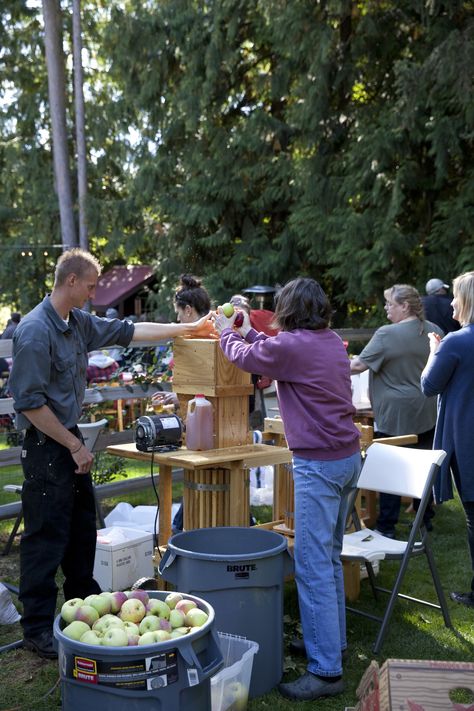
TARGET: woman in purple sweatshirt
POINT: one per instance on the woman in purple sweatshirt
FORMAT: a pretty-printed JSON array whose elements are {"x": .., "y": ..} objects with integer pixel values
[{"x": 309, "y": 363}]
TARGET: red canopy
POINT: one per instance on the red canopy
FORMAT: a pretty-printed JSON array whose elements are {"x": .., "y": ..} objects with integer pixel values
[
  {"x": 261, "y": 320},
  {"x": 120, "y": 282}
]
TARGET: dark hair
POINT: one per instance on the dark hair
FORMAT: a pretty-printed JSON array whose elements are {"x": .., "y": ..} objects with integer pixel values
[
  {"x": 302, "y": 303},
  {"x": 15, "y": 317},
  {"x": 191, "y": 293}
]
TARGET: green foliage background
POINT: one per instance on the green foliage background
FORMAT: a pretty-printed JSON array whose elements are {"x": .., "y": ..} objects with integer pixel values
[{"x": 250, "y": 141}]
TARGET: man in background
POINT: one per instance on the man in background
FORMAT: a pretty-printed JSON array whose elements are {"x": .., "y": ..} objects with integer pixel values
[
  {"x": 437, "y": 305},
  {"x": 12, "y": 323}
]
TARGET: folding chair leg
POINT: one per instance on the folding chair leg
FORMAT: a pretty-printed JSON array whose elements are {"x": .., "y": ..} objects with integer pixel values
[
  {"x": 98, "y": 510},
  {"x": 13, "y": 533},
  {"x": 437, "y": 583},
  {"x": 391, "y": 603},
  {"x": 371, "y": 575}
]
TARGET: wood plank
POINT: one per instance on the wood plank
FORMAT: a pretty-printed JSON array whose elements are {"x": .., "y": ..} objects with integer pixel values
[{"x": 251, "y": 455}]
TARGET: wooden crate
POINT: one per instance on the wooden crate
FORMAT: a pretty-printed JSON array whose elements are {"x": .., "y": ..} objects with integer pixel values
[
  {"x": 413, "y": 684},
  {"x": 201, "y": 367}
]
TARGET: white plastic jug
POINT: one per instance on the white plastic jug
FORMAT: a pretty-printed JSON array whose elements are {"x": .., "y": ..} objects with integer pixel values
[{"x": 199, "y": 424}]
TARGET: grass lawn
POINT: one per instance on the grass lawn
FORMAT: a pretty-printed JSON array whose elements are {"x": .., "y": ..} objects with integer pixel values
[{"x": 415, "y": 632}]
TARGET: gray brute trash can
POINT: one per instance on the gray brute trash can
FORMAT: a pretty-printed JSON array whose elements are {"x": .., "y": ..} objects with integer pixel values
[
  {"x": 240, "y": 572},
  {"x": 172, "y": 675}
]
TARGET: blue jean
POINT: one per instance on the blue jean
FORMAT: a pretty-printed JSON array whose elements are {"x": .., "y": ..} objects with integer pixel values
[{"x": 322, "y": 490}]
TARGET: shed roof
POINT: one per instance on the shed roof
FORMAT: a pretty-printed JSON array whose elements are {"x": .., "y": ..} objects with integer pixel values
[{"x": 120, "y": 282}]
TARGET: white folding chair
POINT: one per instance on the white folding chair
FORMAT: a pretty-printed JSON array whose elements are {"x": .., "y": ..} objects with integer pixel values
[
  {"x": 406, "y": 472},
  {"x": 90, "y": 432}
]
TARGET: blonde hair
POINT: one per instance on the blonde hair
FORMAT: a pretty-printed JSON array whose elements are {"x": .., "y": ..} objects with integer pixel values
[
  {"x": 75, "y": 261},
  {"x": 401, "y": 293},
  {"x": 463, "y": 290}
]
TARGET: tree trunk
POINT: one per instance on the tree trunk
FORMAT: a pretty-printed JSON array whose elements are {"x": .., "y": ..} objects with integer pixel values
[
  {"x": 80, "y": 123},
  {"x": 57, "y": 102}
]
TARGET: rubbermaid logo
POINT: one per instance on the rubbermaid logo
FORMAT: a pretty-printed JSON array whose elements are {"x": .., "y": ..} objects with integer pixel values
[{"x": 241, "y": 571}]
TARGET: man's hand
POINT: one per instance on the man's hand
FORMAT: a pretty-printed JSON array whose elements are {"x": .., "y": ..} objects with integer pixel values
[
  {"x": 203, "y": 328},
  {"x": 83, "y": 458}
]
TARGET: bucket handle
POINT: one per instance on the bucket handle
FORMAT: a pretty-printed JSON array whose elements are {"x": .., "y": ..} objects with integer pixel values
[
  {"x": 215, "y": 663},
  {"x": 166, "y": 560}
]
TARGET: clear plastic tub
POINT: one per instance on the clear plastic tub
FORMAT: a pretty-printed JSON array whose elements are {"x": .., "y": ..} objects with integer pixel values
[{"x": 230, "y": 687}]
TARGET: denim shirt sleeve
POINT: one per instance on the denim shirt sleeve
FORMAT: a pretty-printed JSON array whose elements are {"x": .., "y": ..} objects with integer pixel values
[
  {"x": 30, "y": 375},
  {"x": 50, "y": 360},
  {"x": 100, "y": 332}
]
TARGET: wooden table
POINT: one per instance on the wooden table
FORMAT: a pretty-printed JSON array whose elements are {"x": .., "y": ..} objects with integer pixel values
[{"x": 236, "y": 460}]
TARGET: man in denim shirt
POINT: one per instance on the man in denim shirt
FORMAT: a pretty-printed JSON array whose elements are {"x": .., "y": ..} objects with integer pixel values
[{"x": 48, "y": 381}]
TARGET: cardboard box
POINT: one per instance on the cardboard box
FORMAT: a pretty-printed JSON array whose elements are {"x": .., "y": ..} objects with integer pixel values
[
  {"x": 415, "y": 685},
  {"x": 118, "y": 565}
]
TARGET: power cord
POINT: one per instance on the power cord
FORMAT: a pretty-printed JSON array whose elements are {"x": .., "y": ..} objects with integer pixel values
[
  {"x": 41, "y": 698},
  {"x": 155, "y": 526}
]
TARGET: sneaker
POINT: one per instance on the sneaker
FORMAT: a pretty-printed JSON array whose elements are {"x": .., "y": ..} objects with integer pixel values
[
  {"x": 310, "y": 687},
  {"x": 463, "y": 598},
  {"x": 42, "y": 645}
]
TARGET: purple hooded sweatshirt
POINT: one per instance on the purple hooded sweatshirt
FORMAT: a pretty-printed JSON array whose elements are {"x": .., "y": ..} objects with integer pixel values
[{"x": 313, "y": 386}]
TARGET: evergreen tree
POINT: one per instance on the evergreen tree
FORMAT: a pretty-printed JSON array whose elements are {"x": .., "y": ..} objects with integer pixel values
[{"x": 332, "y": 139}]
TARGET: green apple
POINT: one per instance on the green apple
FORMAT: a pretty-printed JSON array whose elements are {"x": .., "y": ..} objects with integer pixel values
[
  {"x": 158, "y": 608},
  {"x": 172, "y": 599},
  {"x": 227, "y": 309},
  {"x": 177, "y": 618},
  {"x": 151, "y": 623},
  {"x": 179, "y": 632},
  {"x": 196, "y": 617},
  {"x": 91, "y": 637},
  {"x": 103, "y": 623},
  {"x": 236, "y": 695},
  {"x": 68, "y": 610},
  {"x": 132, "y": 610},
  {"x": 87, "y": 613},
  {"x": 102, "y": 604},
  {"x": 75, "y": 630},
  {"x": 162, "y": 635},
  {"x": 115, "y": 637},
  {"x": 185, "y": 605}
]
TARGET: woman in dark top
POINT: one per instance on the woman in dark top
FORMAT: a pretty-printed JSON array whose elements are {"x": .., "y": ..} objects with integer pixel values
[{"x": 449, "y": 373}]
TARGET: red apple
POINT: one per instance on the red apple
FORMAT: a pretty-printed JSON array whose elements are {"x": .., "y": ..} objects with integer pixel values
[{"x": 141, "y": 595}]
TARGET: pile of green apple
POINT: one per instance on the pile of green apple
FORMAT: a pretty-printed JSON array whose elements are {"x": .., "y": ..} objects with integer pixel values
[{"x": 130, "y": 618}]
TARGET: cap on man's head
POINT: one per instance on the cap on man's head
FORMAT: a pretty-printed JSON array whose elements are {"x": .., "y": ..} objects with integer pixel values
[
  {"x": 111, "y": 313},
  {"x": 433, "y": 285}
]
